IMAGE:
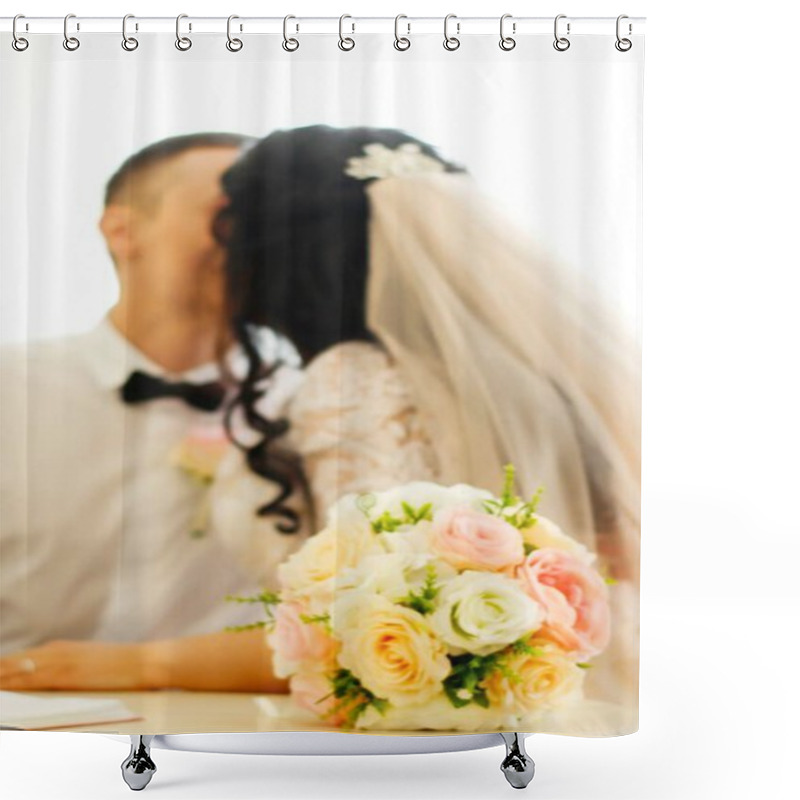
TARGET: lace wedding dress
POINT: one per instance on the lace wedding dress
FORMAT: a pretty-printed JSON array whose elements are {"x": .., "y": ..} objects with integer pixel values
[{"x": 356, "y": 426}]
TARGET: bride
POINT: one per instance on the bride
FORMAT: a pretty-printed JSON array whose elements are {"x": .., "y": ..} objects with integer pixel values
[{"x": 439, "y": 344}]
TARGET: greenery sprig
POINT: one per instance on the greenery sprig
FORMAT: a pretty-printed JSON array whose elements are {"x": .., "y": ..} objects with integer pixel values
[
  {"x": 465, "y": 683},
  {"x": 510, "y": 507},
  {"x": 353, "y": 697},
  {"x": 388, "y": 522},
  {"x": 269, "y": 599},
  {"x": 423, "y": 601}
]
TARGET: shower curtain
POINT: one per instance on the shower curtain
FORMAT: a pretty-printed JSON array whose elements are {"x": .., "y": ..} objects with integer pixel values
[{"x": 320, "y": 358}]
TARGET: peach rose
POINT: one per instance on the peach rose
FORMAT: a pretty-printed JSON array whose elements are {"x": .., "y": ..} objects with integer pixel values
[
  {"x": 544, "y": 680},
  {"x": 470, "y": 539},
  {"x": 308, "y": 688},
  {"x": 575, "y": 599},
  {"x": 295, "y": 642}
]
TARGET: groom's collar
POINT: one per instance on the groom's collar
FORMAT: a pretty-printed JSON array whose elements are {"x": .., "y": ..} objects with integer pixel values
[{"x": 112, "y": 358}]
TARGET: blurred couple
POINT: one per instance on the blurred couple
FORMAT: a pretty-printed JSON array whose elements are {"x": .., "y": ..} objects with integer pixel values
[{"x": 318, "y": 312}]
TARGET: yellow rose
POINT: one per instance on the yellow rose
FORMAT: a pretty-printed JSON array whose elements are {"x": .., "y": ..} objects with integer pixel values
[
  {"x": 545, "y": 680},
  {"x": 391, "y": 649}
]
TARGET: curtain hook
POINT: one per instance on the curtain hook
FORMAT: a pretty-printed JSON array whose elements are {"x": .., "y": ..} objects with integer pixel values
[
  {"x": 346, "y": 42},
  {"x": 451, "y": 42},
  {"x": 182, "y": 42},
  {"x": 19, "y": 43},
  {"x": 71, "y": 43},
  {"x": 401, "y": 42},
  {"x": 623, "y": 45},
  {"x": 129, "y": 43},
  {"x": 290, "y": 44},
  {"x": 561, "y": 43},
  {"x": 233, "y": 44},
  {"x": 507, "y": 42}
]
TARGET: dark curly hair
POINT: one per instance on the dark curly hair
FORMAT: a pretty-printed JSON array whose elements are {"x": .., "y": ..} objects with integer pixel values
[{"x": 295, "y": 230}]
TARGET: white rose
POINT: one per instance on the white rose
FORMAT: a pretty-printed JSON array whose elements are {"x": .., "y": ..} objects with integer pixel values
[
  {"x": 394, "y": 575},
  {"x": 480, "y": 612},
  {"x": 419, "y": 493}
]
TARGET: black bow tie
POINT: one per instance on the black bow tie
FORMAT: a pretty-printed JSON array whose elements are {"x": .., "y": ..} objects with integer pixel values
[{"x": 141, "y": 387}]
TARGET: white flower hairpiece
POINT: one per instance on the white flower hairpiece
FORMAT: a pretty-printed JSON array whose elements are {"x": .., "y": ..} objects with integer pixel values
[{"x": 382, "y": 162}]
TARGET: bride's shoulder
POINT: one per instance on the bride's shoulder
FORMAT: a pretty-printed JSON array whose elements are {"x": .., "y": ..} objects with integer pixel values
[
  {"x": 349, "y": 360},
  {"x": 348, "y": 374}
]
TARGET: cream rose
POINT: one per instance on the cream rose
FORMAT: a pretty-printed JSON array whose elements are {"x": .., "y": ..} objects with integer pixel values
[
  {"x": 308, "y": 575},
  {"x": 390, "y": 649},
  {"x": 545, "y": 533},
  {"x": 545, "y": 680},
  {"x": 480, "y": 612}
]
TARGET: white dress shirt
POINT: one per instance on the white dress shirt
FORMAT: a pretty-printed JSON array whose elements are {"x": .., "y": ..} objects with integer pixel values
[{"x": 96, "y": 520}]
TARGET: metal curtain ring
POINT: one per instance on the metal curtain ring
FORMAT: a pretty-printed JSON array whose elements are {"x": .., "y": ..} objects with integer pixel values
[
  {"x": 561, "y": 43},
  {"x": 129, "y": 43},
  {"x": 506, "y": 42},
  {"x": 623, "y": 45},
  {"x": 451, "y": 42},
  {"x": 401, "y": 42},
  {"x": 71, "y": 43},
  {"x": 19, "y": 43},
  {"x": 290, "y": 44},
  {"x": 182, "y": 42},
  {"x": 233, "y": 44},
  {"x": 345, "y": 42}
]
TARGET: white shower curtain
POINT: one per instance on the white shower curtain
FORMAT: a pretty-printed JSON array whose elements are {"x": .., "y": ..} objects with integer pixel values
[{"x": 423, "y": 513}]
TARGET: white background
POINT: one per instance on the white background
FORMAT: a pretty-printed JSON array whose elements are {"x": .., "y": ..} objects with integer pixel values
[{"x": 720, "y": 703}]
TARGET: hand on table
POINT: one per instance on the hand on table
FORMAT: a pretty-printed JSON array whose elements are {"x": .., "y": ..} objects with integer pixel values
[{"x": 76, "y": 666}]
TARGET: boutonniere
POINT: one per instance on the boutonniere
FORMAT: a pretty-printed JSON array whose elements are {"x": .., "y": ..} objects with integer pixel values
[{"x": 199, "y": 454}]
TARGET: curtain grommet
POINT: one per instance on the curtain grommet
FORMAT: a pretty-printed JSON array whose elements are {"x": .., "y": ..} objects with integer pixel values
[
  {"x": 234, "y": 44},
  {"x": 71, "y": 43},
  {"x": 289, "y": 44},
  {"x": 623, "y": 44},
  {"x": 451, "y": 43},
  {"x": 346, "y": 43},
  {"x": 19, "y": 43},
  {"x": 401, "y": 43},
  {"x": 129, "y": 43},
  {"x": 507, "y": 43},
  {"x": 561, "y": 43},
  {"x": 183, "y": 43}
]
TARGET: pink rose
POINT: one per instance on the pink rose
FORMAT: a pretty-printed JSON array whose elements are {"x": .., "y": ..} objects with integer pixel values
[
  {"x": 308, "y": 690},
  {"x": 470, "y": 539},
  {"x": 295, "y": 641},
  {"x": 575, "y": 599}
]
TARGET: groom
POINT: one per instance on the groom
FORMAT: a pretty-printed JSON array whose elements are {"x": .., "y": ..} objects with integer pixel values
[{"x": 96, "y": 523}]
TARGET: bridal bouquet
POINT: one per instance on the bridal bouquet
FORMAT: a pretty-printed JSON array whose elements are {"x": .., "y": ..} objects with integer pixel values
[{"x": 437, "y": 607}]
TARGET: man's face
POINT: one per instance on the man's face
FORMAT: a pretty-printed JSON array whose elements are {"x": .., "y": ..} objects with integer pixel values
[{"x": 176, "y": 232}]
